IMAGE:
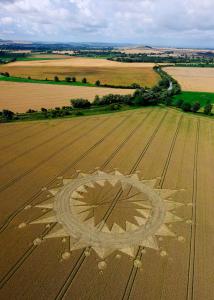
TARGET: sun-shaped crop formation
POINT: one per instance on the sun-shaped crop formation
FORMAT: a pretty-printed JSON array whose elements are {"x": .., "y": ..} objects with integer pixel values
[{"x": 109, "y": 212}]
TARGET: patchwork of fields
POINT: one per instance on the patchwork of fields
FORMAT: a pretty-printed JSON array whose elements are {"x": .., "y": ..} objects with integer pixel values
[
  {"x": 193, "y": 79},
  {"x": 19, "y": 97},
  {"x": 108, "y": 72},
  {"x": 34, "y": 158}
]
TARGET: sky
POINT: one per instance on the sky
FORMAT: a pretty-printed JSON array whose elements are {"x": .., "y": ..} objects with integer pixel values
[{"x": 180, "y": 23}]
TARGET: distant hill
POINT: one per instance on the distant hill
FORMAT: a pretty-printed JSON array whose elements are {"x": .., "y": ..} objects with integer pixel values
[{"x": 29, "y": 45}]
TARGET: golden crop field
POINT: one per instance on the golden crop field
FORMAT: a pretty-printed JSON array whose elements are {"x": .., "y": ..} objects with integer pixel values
[
  {"x": 193, "y": 79},
  {"x": 108, "y": 207},
  {"x": 19, "y": 97},
  {"x": 108, "y": 72}
]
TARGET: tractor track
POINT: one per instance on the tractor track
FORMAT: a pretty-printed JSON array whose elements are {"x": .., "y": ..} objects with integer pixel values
[
  {"x": 82, "y": 257},
  {"x": 139, "y": 255},
  {"x": 61, "y": 173},
  {"x": 39, "y": 145},
  {"x": 30, "y": 250},
  {"x": 191, "y": 266},
  {"x": 29, "y": 136}
]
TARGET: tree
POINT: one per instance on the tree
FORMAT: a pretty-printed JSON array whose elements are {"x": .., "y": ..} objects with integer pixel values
[
  {"x": 84, "y": 80},
  {"x": 97, "y": 83},
  {"x": 56, "y": 78},
  {"x": 80, "y": 103},
  {"x": 186, "y": 106},
  {"x": 208, "y": 108},
  {"x": 29, "y": 111},
  {"x": 68, "y": 79},
  {"x": 6, "y": 74},
  {"x": 7, "y": 114},
  {"x": 73, "y": 79},
  {"x": 196, "y": 106},
  {"x": 29, "y": 78},
  {"x": 44, "y": 109},
  {"x": 96, "y": 100}
]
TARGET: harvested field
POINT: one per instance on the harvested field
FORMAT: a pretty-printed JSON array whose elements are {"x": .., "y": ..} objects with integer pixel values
[
  {"x": 19, "y": 97},
  {"x": 172, "y": 259},
  {"x": 108, "y": 72},
  {"x": 193, "y": 79}
]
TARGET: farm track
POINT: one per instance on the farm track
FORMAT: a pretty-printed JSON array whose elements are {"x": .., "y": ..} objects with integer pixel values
[
  {"x": 191, "y": 267},
  {"x": 82, "y": 257},
  {"x": 61, "y": 173},
  {"x": 29, "y": 251}
]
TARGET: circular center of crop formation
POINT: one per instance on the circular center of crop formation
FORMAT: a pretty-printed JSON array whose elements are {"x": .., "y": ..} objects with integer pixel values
[{"x": 109, "y": 212}]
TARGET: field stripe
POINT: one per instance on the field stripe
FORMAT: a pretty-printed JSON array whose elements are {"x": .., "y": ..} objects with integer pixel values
[
  {"x": 191, "y": 267},
  {"x": 134, "y": 168},
  {"x": 40, "y": 145},
  {"x": 139, "y": 255},
  {"x": 17, "y": 130},
  {"x": 22, "y": 259},
  {"x": 61, "y": 173},
  {"x": 82, "y": 257},
  {"x": 28, "y": 252},
  {"x": 19, "y": 177},
  {"x": 29, "y": 136}
]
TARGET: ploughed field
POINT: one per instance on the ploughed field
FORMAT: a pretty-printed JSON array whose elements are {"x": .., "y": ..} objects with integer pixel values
[
  {"x": 193, "y": 79},
  {"x": 19, "y": 97},
  {"x": 114, "y": 236},
  {"x": 108, "y": 72}
]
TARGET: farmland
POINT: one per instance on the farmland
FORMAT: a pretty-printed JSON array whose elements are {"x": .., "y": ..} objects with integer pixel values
[
  {"x": 193, "y": 79},
  {"x": 19, "y": 97},
  {"x": 192, "y": 97},
  {"x": 36, "y": 156},
  {"x": 108, "y": 72}
]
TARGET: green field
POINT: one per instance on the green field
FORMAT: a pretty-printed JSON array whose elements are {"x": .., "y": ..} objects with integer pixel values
[
  {"x": 61, "y": 82},
  {"x": 193, "y": 97}
]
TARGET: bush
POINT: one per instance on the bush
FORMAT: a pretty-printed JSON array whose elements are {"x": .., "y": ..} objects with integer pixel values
[
  {"x": 44, "y": 109},
  {"x": 68, "y": 79},
  {"x": 73, "y": 79},
  {"x": 80, "y": 103},
  {"x": 84, "y": 80},
  {"x": 114, "y": 106},
  {"x": 135, "y": 86},
  {"x": 79, "y": 113},
  {"x": 29, "y": 78},
  {"x": 196, "y": 106},
  {"x": 168, "y": 100},
  {"x": 186, "y": 106},
  {"x": 208, "y": 108},
  {"x": 179, "y": 103},
  {"x": 97, "y": 83},
  {"x": 6, "y": 74},
  {"x": 56, "y": 78}
]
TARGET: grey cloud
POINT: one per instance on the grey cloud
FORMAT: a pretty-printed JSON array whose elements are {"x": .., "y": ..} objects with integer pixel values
[{"x": 184, "y": 22}]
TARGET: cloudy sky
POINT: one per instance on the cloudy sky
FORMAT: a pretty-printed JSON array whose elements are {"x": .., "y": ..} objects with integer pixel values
[{"x": 150, "y": 22}]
